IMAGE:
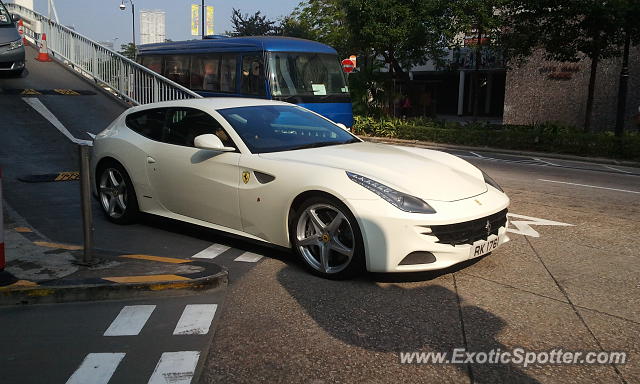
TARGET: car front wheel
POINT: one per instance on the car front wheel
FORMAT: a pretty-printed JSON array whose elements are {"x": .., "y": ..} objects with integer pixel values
[
  {"x": 116, "y": 194},
  {"x": 327, "y": 237}
]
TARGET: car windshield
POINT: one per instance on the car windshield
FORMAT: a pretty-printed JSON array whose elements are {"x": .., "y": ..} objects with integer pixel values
[
  {"x": 275, "y": 128},
  {"x": 305, "y": 74},
  {"x": 5, "y": 16}
]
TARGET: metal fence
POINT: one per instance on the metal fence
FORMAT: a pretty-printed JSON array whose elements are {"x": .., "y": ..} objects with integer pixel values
[{"x": 117, "y": 74}]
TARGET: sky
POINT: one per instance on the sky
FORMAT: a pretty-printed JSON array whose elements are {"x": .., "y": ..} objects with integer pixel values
[{"x": 102, "y": 20}]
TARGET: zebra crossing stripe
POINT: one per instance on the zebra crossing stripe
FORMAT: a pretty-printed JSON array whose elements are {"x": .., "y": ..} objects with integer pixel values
[
  {"x": 196, "y": 319},
  {"x": 130, "y": 320},
  {"x": 96, "y": 368},
  {"x": 213, "y": 251},
  {"x": 175, "y": 368},
  {"x": 249, "y": 257}
]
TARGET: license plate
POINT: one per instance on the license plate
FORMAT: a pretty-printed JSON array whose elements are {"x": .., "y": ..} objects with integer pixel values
[{"x": 483, "y": 247}]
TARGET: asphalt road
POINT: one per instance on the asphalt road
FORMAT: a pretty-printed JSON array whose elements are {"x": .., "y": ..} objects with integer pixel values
[{"x": 572, "y": 287}]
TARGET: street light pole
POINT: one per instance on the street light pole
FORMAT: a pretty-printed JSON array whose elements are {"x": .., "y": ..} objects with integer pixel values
[
  {"x": 133, "y": 26},
  {"x": 202, "y": 9}
]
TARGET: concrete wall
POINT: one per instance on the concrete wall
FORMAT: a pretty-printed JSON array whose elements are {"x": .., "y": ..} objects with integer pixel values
[{"x": 542, "y": 90}]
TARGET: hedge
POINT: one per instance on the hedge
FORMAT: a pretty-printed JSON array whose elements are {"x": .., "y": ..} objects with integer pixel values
[{"x": 547, "y": 137}]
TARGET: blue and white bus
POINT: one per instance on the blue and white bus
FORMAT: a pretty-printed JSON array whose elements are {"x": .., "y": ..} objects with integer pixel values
[{"x": 297, "y": 71}]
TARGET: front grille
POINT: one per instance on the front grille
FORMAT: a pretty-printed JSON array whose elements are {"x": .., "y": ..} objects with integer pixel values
[
  {"x": 469, "y": 232},
  {"x": 6, "y": 65}
]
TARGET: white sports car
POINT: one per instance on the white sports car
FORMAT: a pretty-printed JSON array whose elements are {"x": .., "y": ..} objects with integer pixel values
[{"x": 281, "y": 174}]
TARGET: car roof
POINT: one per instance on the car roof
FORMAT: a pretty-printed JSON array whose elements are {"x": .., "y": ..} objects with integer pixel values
[{"x": 210, "y": 103}]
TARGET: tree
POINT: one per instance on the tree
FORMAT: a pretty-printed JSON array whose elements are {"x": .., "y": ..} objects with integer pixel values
[
  {"x": 128, "y": 51},
  {"x": 567, "y": 30},
  {"x": 251, "y": 25}
]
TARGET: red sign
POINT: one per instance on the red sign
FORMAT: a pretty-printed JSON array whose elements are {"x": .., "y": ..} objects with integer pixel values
[{"x": 348, "y": 65}]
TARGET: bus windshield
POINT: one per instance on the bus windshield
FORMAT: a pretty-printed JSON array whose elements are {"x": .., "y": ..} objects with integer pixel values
[{"x": 305, "y": 74}]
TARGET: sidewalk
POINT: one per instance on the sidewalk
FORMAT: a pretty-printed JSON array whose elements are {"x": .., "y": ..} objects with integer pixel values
[{"x": 49, "y": 272}]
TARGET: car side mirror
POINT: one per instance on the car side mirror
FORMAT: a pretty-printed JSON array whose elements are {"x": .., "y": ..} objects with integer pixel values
[
  {"x": 15, "y": 18},
  {"x": 343, "y": 127},
  {"x": 212, "y": 142}
]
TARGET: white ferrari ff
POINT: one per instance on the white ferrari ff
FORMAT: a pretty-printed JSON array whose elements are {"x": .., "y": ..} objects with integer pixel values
[{"x": 281, "y": 174}]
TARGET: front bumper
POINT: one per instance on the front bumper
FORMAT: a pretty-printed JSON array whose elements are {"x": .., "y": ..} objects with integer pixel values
[
  {"x": 390, "y": 234},
  {"x": 11, "y": 60}
]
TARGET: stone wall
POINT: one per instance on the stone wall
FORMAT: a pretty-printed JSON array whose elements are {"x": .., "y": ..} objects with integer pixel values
[{"x": 543, "y": 90}]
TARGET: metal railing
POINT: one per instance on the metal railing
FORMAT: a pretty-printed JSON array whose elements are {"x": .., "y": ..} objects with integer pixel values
[{"x": 115, "y": 73}]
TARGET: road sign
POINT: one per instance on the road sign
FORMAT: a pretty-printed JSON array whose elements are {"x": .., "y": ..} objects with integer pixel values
[{"x": 348, "y": 65}]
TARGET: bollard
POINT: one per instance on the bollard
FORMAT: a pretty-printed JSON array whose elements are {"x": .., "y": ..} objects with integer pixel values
[
  {"x": 21, "y": 32},
  {"x": 85, "y": 202},
  {"x": 5, "y": 277}
]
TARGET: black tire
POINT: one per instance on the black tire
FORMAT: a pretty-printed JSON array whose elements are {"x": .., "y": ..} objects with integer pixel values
[
  {"x": 356, "y": 265},
  {"x": 130, "y": 212}
]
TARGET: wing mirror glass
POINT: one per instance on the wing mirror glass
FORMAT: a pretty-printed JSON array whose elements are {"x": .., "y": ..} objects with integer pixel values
[
  {"x": 343, "y": 127},
  {"x": 212, "y": 142},
  {"x": 15, "y": 18}
]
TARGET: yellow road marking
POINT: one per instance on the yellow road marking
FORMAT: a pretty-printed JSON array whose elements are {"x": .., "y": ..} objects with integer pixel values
[
  {"x": 23, "y": 229},
  {"x": 20, "y": 283},
  {"x": 30, "y": 91},
  {"x": 65, "y": 176},
  {"x": 157, "y": 258},
  {"x": 68, "y": 247},
  {"x": 66, "y": 92},
  {"x": 145, "y": 279}
]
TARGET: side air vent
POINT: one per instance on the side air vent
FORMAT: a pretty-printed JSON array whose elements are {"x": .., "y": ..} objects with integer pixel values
[{"x": 263, "y": 178}]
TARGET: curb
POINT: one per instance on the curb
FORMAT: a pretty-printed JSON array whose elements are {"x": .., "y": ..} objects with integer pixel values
[
  {"x": 428, "y": 144},
  {"x": 68, "y": 290}
]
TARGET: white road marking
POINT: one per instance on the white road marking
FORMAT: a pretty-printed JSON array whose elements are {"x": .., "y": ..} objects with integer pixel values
[
  {"x": 590, "y": 186},
  {"x": 96, "y": 368},
  {"x": 36, "y": 104},
  {"x": 249, "y": 257},
  {"x": 523, "y": 226},
  {"x": 545, "y": 161},
  {"x": 615, "y": 169},
  {"x": 475, "y": 154},
  {"x": 130, "y": 320},
  {"x": 175, "y": 368},
  {"x": 196, "y": 319},
  {"x": 211, "y": 252}
]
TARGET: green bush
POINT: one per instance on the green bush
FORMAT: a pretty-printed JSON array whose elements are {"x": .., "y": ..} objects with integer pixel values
[{"x": 546, "y": 137}]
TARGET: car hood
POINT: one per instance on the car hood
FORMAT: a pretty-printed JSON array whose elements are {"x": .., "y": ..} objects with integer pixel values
[
  {"x": 424, "y": 173},
  {"x": 8, "y": 33}
]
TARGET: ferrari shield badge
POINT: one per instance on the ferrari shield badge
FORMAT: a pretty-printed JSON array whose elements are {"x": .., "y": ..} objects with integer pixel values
[{"x": 246, "y": 176}]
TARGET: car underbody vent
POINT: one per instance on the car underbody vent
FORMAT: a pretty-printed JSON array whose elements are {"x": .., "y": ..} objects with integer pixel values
[{"x": 420, "y": 257}]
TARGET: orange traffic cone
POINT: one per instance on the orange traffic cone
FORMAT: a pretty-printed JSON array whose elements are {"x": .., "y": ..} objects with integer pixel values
[
  {"x": 21, "y": 32},
  {"x": 43, "y": 52}
]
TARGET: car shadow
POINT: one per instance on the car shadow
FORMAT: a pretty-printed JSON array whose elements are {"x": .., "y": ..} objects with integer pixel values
[{"x": 401, "y": 318}]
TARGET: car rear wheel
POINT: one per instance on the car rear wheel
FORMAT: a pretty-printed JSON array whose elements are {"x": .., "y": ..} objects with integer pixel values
[
  {"x": 116, "y": 194},
  {"x": 327, "y": 237}
]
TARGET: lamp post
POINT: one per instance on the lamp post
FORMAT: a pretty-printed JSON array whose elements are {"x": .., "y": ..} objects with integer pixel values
[
  {"x": 203, "y": 9},
  {"x": 133, "y": 22}
]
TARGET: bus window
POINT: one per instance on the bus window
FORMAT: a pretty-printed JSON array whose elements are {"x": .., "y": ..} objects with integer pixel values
[
  {"x": 228, "y": 73},
  {"x": 176, "y": 68},
  {"x": 154, "y": 63},
  {"x": 295, "y": 74},
  {"x": 252, "y": 75},
  {"x": 205, "y": 72}
]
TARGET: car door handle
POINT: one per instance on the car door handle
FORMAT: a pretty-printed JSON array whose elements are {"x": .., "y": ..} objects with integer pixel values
[{"x": 150, "y": 160}]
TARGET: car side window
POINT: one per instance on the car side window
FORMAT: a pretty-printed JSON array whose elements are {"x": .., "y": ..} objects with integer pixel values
[
  {"x": 185, "y": 124},
  {"x": 148, "y": 123}
]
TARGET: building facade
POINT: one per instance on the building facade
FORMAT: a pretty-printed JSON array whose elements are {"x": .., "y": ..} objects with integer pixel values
[
  {"x": 152, "y": 26},
  {"x": 543, "y": 90}
]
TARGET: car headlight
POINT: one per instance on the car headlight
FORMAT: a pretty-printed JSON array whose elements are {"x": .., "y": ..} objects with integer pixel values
[
  {"x": 491, "y": 182},
  {"x": 15, "y": 44},
  {"x": 398, "y": 199}
]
